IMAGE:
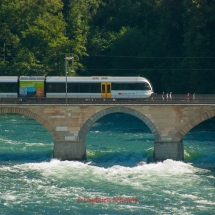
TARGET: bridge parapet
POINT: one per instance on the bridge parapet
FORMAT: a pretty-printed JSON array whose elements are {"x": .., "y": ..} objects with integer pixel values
[{"x": 157, "y": 99}]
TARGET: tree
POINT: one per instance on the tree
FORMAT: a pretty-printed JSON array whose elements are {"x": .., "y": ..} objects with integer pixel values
[
  {"x": 199, "y": 44},
  {"x": 79, "y": 16},
  {"x": 9, "y": 41}
]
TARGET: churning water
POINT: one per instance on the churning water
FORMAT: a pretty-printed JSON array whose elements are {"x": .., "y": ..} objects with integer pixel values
[{"x": 119, "y": 176}]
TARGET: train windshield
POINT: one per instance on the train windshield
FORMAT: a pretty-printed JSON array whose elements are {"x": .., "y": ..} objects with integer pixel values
[
  {"x": 147, "y": 86},
  {"x": 144, "y": 86}
]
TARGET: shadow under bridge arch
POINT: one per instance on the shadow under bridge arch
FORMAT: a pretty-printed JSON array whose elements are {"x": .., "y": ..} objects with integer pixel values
[
  {"x": 193, "y": 123},
  {"x": 24, "y": 112},
  {"x": 89, "y": 123}
]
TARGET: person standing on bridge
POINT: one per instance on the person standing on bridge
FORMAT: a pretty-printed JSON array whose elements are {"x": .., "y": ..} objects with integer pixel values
[
  {"x": 188, "y": 97},
  {"x": 167, "y": 96},
  {"x": 152, "y": 97},
  {"x": 194, "y": 96},
  {"x": 170, "y": 96},
  {"x": 163, "y": 96}
]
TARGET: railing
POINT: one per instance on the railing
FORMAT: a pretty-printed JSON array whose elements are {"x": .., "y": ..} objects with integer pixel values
[{"x": 156, "y": 99}]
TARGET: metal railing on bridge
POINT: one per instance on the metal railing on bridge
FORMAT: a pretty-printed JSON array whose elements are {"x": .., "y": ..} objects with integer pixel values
[{"x": 156, "y": 99}]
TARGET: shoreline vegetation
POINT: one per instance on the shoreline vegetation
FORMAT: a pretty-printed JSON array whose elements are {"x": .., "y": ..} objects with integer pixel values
[{"x": 169, "y": 42}]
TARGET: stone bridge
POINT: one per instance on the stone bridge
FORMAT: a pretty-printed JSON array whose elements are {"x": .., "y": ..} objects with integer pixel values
[{"x": 69, "y": 124}]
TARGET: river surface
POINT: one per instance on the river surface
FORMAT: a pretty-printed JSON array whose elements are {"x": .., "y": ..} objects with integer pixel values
[{"x": 118, "y": 177}]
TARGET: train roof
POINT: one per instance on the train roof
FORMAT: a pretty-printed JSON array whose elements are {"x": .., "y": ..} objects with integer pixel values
[
  {"x": 31, "y": 78},
  {"x": 96, "y": 79},
  {"x": 8, "y": 78}
]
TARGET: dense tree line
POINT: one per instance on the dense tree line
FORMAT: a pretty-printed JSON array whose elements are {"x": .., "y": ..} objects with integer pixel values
[{"x": 171, "y": 42}]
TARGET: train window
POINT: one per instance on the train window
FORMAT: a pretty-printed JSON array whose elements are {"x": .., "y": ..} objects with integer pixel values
[
  {"x": 55, "y": 87},
  {"x": 84, "y": 88},
  {"x": 94, "y": 88},
  {"x": 61, "y": 87},
  {"x": 8, "y": 87},
  {"x": 103, "y": 88},
  {"x": 49, "y": 88},
  {"x": 117, "y": 86},
  {"x": 74, "y": 88},
  {"x": 130, "y": 87},
  {"x": 108, "y": 88},
  {"x": 124, "y": 86},
  {"x": 143, "y": 86}
]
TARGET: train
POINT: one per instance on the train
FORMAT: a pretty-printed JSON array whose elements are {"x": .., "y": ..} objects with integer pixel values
[{"x": 114, "y": 87}]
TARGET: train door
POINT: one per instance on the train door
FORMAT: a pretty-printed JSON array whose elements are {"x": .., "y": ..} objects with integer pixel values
[{"x": 106, "y": 90}]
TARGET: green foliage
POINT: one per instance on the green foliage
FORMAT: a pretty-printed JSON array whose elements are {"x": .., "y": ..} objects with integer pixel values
[
  {"x": 168, "y": 41},
  {"x": 171, "y": 42}
]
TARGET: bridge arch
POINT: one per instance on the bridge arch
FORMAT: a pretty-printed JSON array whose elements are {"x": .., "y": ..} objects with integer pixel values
[
  {"x": 15, "y": 110},
  {"x": 89, "y": 123},
  {"x": 192, "y": 123}
]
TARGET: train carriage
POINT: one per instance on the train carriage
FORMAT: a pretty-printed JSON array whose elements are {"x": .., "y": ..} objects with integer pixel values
[
  {"x": 77, "y": 87},
  {"x": 98, "y": 87},
  {"x": 9, "y": 86},
  {"x": 31, "y": 86}
]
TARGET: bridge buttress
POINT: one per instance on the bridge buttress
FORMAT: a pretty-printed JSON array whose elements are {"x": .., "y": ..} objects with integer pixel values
[
  {"x": 69, "y": 150},
  {"x": 169, "y": 150}
]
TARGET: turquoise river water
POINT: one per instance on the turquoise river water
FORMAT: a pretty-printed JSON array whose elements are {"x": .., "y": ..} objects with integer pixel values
[{"x": 118, "y": 177}]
